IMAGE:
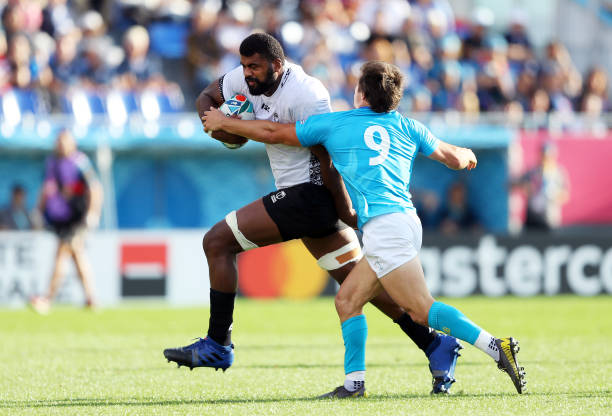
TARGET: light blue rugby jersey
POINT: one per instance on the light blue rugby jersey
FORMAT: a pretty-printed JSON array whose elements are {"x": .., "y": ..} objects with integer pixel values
[{"x": 373, "y": 152}]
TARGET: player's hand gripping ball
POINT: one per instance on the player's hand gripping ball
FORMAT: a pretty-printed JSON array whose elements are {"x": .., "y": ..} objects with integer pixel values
[{"x": 237, "y": 106}]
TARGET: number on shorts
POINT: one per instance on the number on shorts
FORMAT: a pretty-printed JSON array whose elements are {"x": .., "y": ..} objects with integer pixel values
[{"x": 382, "y": 147}]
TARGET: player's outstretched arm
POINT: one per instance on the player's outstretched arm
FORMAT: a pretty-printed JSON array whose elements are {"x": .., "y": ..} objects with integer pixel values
[
  {"x": 334, "y": 183},
  {"x": 454, "y": 157},
  {"x": 259, "y": 130}
]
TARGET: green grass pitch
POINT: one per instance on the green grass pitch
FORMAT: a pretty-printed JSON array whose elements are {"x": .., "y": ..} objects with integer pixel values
[{"x": 77, "y": 362}]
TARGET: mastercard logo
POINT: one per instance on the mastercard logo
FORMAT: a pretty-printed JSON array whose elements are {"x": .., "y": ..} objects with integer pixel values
[{"x": 280, "y": 270}]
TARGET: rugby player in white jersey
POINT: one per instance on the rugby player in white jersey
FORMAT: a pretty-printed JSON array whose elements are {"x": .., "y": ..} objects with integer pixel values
[{"x": 308, "y": 205}]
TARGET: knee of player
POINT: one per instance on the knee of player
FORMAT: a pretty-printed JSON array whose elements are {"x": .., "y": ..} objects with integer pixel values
[
  {"x": 75, "y": 247},
  {"x": 213, "y": 242},
  {"x": 345, "y": 305}
]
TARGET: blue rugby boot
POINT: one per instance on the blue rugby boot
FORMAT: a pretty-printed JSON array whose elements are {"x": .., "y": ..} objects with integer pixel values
[
  {"x": 442, "y": 354},
  {"x": 202, "y": 353}
]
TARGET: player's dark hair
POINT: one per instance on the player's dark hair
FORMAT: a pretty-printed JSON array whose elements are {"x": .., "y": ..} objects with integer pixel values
[
  {"x": 264, "y": 44},
  {"x": 382, "y": 85}
]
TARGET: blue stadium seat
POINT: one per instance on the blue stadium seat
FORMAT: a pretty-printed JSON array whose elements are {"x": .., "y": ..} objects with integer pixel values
[
  {"x": 165, "y": 103},
  {"x": 130, "y": 101},
  {"x": 168, "y": 38},
  {"x": 96, "y": 103},
  {"x": 83, "y": 104},
  {"x": 28, "y": 101}
]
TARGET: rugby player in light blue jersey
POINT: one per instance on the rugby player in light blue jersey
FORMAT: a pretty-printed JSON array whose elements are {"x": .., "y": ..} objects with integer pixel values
[{"x": 373, "y": 147}]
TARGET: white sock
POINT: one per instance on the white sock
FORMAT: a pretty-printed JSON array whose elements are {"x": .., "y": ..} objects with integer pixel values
[
  {"x": 486, "y": 343},
  {"x": 354, "y": 381}
]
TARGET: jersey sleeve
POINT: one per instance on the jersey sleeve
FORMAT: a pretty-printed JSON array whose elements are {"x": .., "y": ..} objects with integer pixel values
[
  {"x": 428, "y": 143},
  {"x": 313, "y": 130},
  {"x": 232, "y": 83}
]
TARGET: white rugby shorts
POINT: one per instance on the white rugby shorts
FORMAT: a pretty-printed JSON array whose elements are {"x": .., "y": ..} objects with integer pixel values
[{"x": 391, "y": 240}]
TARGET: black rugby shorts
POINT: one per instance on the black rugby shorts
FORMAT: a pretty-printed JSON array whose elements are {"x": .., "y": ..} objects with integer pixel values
[{"x": 304, "y": 210}]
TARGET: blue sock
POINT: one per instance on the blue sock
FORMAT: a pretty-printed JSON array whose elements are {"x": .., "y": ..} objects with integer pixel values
[
  {"x": 354, "y": 333},
  {"x": 452, "y": 321}
]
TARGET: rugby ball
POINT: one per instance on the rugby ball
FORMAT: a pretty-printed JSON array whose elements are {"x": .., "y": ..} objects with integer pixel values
[{"x": 239, "y": 106}]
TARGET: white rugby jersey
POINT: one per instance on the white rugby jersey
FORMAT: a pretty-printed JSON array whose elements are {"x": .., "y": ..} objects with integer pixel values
[{"x": 297, "y": 97}]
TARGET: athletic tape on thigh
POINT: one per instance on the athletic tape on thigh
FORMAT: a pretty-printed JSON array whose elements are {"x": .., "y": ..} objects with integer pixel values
[
  {"x": 340, "y": 257},
  {"x": 244, "y": 242}
]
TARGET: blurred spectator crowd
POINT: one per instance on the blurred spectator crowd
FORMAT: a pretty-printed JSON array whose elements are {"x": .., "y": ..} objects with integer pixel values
[{"x": 117, "y": 57}]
